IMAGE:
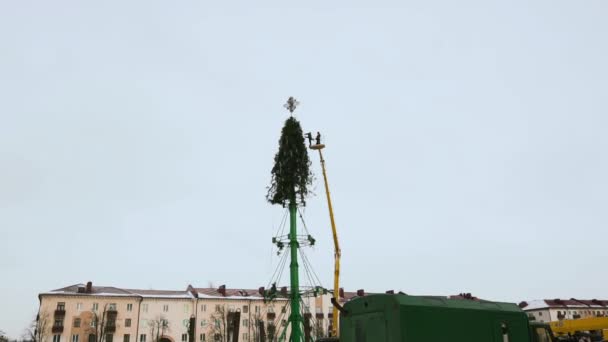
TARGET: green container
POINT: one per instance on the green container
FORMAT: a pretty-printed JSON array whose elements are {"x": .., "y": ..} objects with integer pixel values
[{"x": 403, "y": 318}]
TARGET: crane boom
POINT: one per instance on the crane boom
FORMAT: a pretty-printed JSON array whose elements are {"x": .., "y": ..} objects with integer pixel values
[{"x": 337, "y": 251}]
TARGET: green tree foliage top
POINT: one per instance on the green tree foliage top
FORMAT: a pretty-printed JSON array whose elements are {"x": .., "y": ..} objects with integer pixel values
[{"x": 291, "y": 174}]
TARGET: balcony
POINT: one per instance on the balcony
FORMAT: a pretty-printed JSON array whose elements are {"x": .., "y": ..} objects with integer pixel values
[
  {"x": 319, "y": 315},
  {"x": 111, "y": 328},
  {"x": 57, "y": 329},
  {"x": 60, "y": 312},
  {"x": 111, "y": 313}
]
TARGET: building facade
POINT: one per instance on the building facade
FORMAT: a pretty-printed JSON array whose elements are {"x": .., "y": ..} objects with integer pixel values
[
  {"x": 87, "y": 313},
  {"x": 551, "y": 310}
]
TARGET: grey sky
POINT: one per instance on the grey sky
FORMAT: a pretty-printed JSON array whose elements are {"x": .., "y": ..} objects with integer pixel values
[{"x": 466, "y": 144}]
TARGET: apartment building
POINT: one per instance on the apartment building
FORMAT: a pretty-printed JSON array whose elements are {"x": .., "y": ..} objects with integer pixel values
[
  {"x": 550, "y": 310},
  {"x": 87, "y": 313}
]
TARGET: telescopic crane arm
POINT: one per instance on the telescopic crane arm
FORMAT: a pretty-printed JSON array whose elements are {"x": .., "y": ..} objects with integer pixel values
[{"x": 337, "y": 252}]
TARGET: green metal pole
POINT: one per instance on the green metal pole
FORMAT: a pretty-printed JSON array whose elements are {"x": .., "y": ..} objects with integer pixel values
[{"x": 295, "y": 317}]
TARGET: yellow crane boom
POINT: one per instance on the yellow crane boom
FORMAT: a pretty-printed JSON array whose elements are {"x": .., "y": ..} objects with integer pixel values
[
  {"x": 582, "y": 324},
  {"x": 337, "y": 251}
]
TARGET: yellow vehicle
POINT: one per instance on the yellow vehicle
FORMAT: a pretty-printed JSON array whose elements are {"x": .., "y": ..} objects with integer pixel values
[{"x": 571, "y": 326}]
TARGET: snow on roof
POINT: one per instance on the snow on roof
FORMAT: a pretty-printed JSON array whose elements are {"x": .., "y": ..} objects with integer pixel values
[
  {"x": 563, "y": 303},
  {"x": 536, "y": 305}
]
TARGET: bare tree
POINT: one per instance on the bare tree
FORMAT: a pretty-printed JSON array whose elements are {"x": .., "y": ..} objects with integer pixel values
[
  {"x": 103, "y": 323},
  {"x": 38, "y": 329},
  {"x": 255, "y": 327},
  {"x": 218, "y": 326},
  {"x": 158, "y": 327},
  {"x": 262, "y": 332},
  {"x": 3, "y": 337},
  {"x": 271, "y": 332},
  {"x": 317, "y": 329}
]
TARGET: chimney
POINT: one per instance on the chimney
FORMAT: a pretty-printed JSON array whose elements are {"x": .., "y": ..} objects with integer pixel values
[
  {"x": 390, "y": 292},
  {"x": 360, "y": 293},
  {"x": 222, "y": 290},
  {"x": 284, "y": 291},
  {"x": 89, "y": 287},
  {"x": 262, "y": 291},
  {"x": 523, "y": 304},
  {"x": 341, "y": 292}
]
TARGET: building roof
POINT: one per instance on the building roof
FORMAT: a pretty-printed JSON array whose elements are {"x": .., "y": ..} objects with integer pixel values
[
  {"x": 160, "y": 293},
  {"x": 189, "y": 292},
  {"x": 95, "y": 290},
  {"x": 111, "y": 291},
  {"x": 563, "y": 303},
  {"x": 212, "y": 292}
]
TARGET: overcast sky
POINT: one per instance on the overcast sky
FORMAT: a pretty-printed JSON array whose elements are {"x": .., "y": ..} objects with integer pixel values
[{"x": 466, "y": 144}]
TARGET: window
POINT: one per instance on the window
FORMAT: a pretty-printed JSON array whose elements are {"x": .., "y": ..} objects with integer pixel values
[
  {"x": 218, "y": 337},
  {"x": 217, "y": 323},
  {"x": 58, "y": 322},
  {"x": 203, "y": 322},
  {"x": 61, "y": 306},
  {"x": 245, "y": 336},
  {"x": 284, "y": 309},
  {"x": 245, "y": 322},
  {"x": 284, "y": 322},
  {"x": 56, "y": 338},
  {"x": 109, "y": 338},
  {"x": 145, "y": 307},
  {"x": 186, "y": 308},
  {"x": 74, "y": 338},
  {"x": 142, "y": 338},
  {"x": 76, "y": 322},
  {"x": 202, "y": 337},
  {"x": 217, "y": 308},
  {"x": 540, "y": 313},
  {"x": 129, "y": 307},
  {"x": 126, "y": 338},
  {"x": 95, "y": 306},
  {"x": 245, "y": 309},
  {"x": 184, "y": 337},
  {"x": 127, "y": 322},
  {"x": 112, "y": 307},
  {"x": 230, "y": 308},
  {"x": 165, "y": 308},
  {"x": 271, "y": 309},
  {"x": 257, "y": 309},
  {"x": 79, "y": 306},
  {"x": 93, "y": 323},
  {"x": 91, "y": 337}
]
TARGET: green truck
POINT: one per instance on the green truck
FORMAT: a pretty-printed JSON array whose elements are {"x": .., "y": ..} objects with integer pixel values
[{"x": 403, "y": 318}]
